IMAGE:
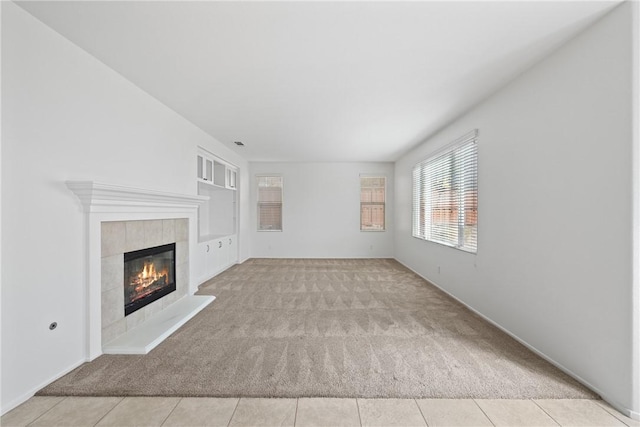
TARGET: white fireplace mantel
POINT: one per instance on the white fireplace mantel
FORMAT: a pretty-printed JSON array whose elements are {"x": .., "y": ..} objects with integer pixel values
[
  {"x": 105, "y": 202},
  {"x": 96, "y": 196}
]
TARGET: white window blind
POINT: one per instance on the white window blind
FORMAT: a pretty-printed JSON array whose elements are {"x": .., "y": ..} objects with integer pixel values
[
  {"x": 269, "y": 203},
  {"x": 445, "y": 196},
  {"x": 372, "y": 203}
]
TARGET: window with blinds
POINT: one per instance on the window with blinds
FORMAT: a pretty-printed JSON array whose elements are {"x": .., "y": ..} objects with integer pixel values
[
  {"x": 445, "y": 196},
  {"x": 269, "y": 203},
  {"x": 372, "y": 201}
]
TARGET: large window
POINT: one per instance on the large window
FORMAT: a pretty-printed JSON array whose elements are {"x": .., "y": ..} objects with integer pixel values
[
  {"x": 445, "y": 196},
  {"x": 269, "y": 203},
  {"x": 372, "y": 199}
]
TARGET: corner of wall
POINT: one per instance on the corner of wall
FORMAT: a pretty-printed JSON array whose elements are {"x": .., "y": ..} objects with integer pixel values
[
  {"x": 635, "y": 300},
  {"x": 1, "y": 7},
  {"x": 494, "y": 115}
]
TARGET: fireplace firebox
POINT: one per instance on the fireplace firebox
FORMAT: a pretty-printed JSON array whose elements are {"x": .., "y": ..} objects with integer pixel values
[{"x": 149, "y": 274}]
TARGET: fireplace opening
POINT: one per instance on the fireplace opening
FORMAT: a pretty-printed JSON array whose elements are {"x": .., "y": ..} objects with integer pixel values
[{"x": 149, "y": 274}]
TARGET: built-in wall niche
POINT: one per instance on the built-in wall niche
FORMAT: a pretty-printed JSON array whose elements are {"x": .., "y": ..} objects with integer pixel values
[
  {"x": 217, "y": 179},
  {"x": 214, "y": 171},
  {"x": 217, "y": 217}
]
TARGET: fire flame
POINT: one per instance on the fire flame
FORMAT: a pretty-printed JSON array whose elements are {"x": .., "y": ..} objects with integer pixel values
[{"x": 148, "y": 276}]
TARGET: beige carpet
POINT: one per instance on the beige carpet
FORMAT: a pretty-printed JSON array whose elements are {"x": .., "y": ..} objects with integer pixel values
[{"x": 337, "y": 328}]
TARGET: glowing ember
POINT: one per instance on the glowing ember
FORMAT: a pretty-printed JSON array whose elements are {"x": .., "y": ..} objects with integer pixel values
[{"x": 149, "y": 276}]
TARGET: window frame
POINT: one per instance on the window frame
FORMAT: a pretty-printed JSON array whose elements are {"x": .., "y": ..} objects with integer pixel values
[
  {"x": 383, "y": 203},
  {"x": 418, "y": 229},
  {"x": 258, "y": 203}
]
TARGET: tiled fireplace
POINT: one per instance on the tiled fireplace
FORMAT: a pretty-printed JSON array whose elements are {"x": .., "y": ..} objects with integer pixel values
[
  {"x": 120, "y": 237},
  {"x": 122, "y": 219}
]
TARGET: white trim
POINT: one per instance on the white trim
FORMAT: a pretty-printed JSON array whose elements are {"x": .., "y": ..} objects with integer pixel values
[
  {"x": 384, "y": 204},
  {"x": 372, "y": 175},
  {"x": 99, "y": 197},
  {"x": 257, "y": 187},
  {"x": 202, "y": 150},
  {"x": 147, "y": 336},
  {"x": 419, "y": 174},
  {"x": 469, "y": 136},
  {"x": 625, "y": 411},
  {"x": 1, "y": 352},
  {"x": 635, "y": 194},
  {"x": 29, "y": 394},
  {"x": 321, "y": 257},
  {"x": 105, "y": 202}
]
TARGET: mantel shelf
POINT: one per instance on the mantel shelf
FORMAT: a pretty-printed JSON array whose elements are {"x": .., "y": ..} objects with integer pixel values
[
  {"x": 106, "y": 203},
  {"x": 95, "y": 194}
]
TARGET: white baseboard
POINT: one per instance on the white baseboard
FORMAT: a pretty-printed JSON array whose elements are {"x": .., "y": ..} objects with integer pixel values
[
  {"x": 29, "y": 394},
  {"x": 625, "y": 411},
  {"x": 321, "y": 257}
]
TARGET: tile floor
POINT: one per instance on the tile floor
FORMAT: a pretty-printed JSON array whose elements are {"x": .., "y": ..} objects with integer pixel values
[{"x": 175, "y": 411}]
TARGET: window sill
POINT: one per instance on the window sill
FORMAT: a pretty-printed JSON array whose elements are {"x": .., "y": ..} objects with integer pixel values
[{"x": 467, "y": 251}]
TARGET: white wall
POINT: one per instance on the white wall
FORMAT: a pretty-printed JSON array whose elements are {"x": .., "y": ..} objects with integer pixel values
[
  {"x": 635, "y": 7},
  {"x": 1, "y": 133},
  {"x": 321, "y": 212},
  {"x": 555, "y": 209},
  {"x": 562, "y": 132},
  {"x": 66, "y": 116}
]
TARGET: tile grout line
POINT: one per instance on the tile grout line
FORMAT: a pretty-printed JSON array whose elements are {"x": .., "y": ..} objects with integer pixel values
[
  {"x": 171, "y": 412},
  {"x": 543, "y": 410},
  {"x": 109, "y": 411},
  {"x": 602, "y": 408},
  {"x": 358, "y": 407},
  {"x": 41, "y": 415},
  {"x": 234, "y": 412},
  {"x": 616, "y": 414},
  {"x": 485, "y": 414},
  {"x": 421, "y": 413}
]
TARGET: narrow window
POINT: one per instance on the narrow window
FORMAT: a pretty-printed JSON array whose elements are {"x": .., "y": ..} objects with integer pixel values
[
  {"x": 269, "y": 203},
  {"x": 445, "y": 196},
  {"x": 372, "y": 200}
]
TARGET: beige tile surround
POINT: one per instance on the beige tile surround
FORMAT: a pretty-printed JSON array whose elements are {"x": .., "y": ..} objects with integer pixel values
[{"x": 118, "y": 237}]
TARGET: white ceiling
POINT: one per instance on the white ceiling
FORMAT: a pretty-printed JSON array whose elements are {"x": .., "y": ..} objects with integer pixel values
[{"x": 318, "y": 81}]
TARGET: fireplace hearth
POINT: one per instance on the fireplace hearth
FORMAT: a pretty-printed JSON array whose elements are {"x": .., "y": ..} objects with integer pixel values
[{"x": 149, "y": 274}]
